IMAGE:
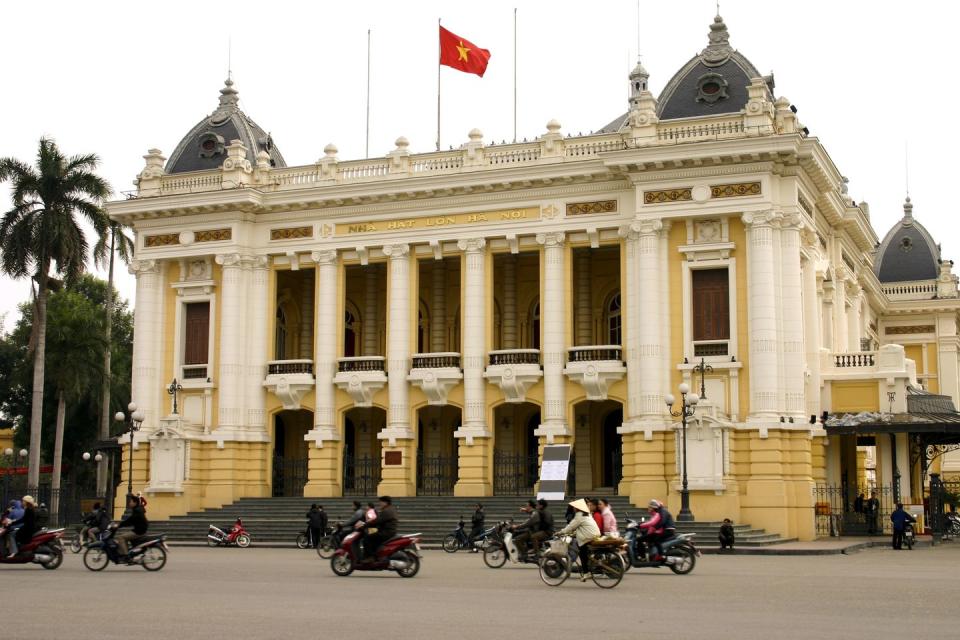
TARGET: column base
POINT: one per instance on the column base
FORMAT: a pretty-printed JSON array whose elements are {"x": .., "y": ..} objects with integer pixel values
[
  {"x": 475, "y": 454},
  {"x": 399, "y": 472},
  {"x": 324, "y": 470}
]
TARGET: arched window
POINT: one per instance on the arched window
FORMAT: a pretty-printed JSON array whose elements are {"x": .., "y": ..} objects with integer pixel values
[
  {"x": 535, "y": 327},
  {"x": 349, "y": 335},
  {"x": 280, "y": 337},
  {"x": 421, "y": 332},
  {"x": 614, "y": 320}
]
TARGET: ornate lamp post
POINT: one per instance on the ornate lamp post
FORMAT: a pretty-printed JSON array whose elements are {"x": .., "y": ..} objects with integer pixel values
[
  {"x": 688, "y": 405},
  {"x": 134, "y": 420},
  {"x": 704, "y": 369},
  {"x": 174, "y": 390},
  {"x": 9, "y": 462}
]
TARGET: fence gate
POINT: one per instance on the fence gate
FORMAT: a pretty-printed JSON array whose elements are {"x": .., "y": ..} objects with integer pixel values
[
  {"x": 436, "y": 474},
  {"x": 514, "y": 474},
  {"x": 838, "y": 512},
  {"x": 289, "y": 476},
  {"x": 361, "y": 475}
]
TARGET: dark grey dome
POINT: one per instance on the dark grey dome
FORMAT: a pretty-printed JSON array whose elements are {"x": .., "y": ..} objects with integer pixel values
[
  {"x": 205, "y": 147},
  {"x": 907, "y": 252},
  {"x": 714, "y": 81}
]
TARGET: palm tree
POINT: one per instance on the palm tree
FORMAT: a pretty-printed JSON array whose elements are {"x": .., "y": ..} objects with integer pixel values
[
  {"x": 119, "y": 244},
  {"x": 41, "y": 232}
]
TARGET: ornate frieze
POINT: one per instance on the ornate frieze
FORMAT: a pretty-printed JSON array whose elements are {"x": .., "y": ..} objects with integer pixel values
[
  {"x": 161, "y": 240},
  {"x": 213, "y": 235},
  {"x": 668, "y": 195},
  {"x": 735, "y": 190},
  {"x": 291, "y": 233},
  {"x": 597, "y": 206},
  {"x": 909, "y": 329}
]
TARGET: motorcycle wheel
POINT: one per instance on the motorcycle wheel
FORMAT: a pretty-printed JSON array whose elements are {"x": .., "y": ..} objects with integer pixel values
[
  {"x": 154, "y": 558},
  {"x": 55, "y": 561},
  {"x": 684, "y": 560},
  {"x": 212, "y": 543},
  {"x": 76, "y": 545},
  {"x": 413, "y": 566},
  {"x": 450, "y": 544},
  {"x": 302, "y": 541},
  {"x": 607, "y": 570},
  {"x": 243, "y": 541},
  {"x": 325, "y": 549},
  {"x": 494, "y": 555},
  {"x": 908, "y": 542},
  {"x": 554, "y": 570},
  {"x": 95, "y": 559},
  {"x": 342, "y": 565}
]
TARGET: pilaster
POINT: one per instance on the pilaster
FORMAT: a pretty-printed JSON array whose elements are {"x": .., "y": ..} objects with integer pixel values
[
  {"x": 398, "y": 344},
  {"x": 553, "y": 318},
  {"x": 148, "y": 328}
]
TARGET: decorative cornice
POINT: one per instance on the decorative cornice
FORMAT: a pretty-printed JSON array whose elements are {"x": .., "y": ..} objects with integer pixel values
[
  {"x": 213, "y": 235},
  {"x": 662, "y": 196},
  {"x": 585, "y": 208},
  {"x": 291, "y": 233},
  {"x": 735, "y": 190},
  {"x": 161, "y": 240},
  {"x": 909, "y": 329}
]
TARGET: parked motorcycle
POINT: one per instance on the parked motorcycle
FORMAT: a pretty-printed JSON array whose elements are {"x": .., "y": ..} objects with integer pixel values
[
  {"x": 460, "y": 540},
  {"x": 953, "y": 523},
  {"x": 400, "y": 554},
  {"x": 500, "y": 547},
  {"x": 148, "y": 551},
  {"x": 331, "y": 541},
  {"x": 45, "y": 549},
  {"x": 236, "y": 536},
  {"x": 679, "y": 552},
  {"x": 909, "y": 536}
]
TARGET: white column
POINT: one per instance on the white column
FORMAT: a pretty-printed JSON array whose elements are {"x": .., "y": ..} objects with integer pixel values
[
  {"x": 584, "y": 312},
  {"x": 306, "y": 318},
  {"x": 474, "y": 319},
  {"x": 763, "y": 315},
  {"x": 649, "y": 336},
  {"x": 811, "y": 336},
  {"x": 257, "y": 342},
  {"x": 398, "y": 342},
  {"x": 791, "y": 308},
  {"x": 325, "y": 346},
  {"x": 827, "y": 321},
  {"x": 853, "y": 320},
  {"x": 438, "y": 308},
  {"x": 553, "y": 314},
  {"x": 145, "y": 383},
  {"x": 630, "y": 298},
  {"x": 371, "y": 345},
  {"x": 508, "y": 323},
  {"x": 232, "y": 349}
]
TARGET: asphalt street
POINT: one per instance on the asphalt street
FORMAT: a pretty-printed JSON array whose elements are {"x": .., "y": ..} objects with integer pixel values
[{"x": 279, "y": 593}]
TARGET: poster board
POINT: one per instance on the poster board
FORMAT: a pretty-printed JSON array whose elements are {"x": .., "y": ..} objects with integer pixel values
[{"x": 554, "y": 468}]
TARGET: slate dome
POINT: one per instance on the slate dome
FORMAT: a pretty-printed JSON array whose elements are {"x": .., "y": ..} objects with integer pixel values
[
  {"x": 205, "y": 146},
  {"x": 907, "y": 252}
]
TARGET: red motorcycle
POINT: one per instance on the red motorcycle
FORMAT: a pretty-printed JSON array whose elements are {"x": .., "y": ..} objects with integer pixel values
[
  {"x": 44, "y": 549},
  {"x": 400, "y": 554},
  {"x": 217, "y": 537}
]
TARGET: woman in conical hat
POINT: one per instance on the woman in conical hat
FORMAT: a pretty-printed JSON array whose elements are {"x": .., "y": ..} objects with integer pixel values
[{"x": 585, "y": 530}]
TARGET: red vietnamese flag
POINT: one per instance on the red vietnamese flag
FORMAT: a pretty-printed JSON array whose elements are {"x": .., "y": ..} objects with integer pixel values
[{"x": 462, "y": 54}]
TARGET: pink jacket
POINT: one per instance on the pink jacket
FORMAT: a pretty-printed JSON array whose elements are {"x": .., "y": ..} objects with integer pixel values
[
  {"x": 653, "y": 524},
  {"x": 609, "y": 522}
]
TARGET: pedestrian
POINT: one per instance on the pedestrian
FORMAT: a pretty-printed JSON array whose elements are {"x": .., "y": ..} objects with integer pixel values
[
  {"x": 872, "y": 510},
  {"x": 316, "y": 523},
  {"x": 608, "y": 521},
  {"x": 726, "y": 535},
  {"x": 858, "y": 506},
  {"x": 476, "y": 526},
  {"x": 900, "y": 518}
]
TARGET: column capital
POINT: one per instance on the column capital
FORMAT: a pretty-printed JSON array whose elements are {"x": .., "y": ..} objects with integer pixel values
[
  {"x": 143, "y": 267},
  {"x": 261, "y": 263},
  {"x": 228, "y": 259},
  {"x": 552, "y": 239},
  {"x": 396, "y": 251},
  {"x": 325, "y": 256},
  {"x": 471, "y": 245},
  {"x": 792, "y": 221},
  {"x": 768, "y": 218}
]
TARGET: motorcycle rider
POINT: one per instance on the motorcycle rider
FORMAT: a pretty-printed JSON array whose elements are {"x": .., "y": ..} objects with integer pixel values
[
  {"x": 97, "y": 522},
  {"x": 386, "y": 526},
  {"x": 12, "y": 514},
  {"x": 609, "y": 520},
  {"x": 527, "y": 528},
  {"x": 900, "y": 518},
  {"x": 137, "y": 520},
  {"x": 25, "y": 526},
  {"x": 585, "y": 529},
  {"x": 357, "y": 516},
  {"x": 317, "y": 523},
  {"x": 658, "y": 528},
  {"x": 476, "y": 524},
  {"x": 546, "y": 525}
]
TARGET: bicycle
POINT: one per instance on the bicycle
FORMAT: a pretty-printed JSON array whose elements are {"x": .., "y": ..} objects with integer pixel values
[{"x": 606, "y": 564}]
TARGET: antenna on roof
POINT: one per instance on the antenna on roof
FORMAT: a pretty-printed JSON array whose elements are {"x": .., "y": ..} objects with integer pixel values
[
  {"x": 230, "y": 57},
  {"x": 718, "y": 7},
  {"x": 638, "y": 29},
  {"x": 906, "y": 166}
]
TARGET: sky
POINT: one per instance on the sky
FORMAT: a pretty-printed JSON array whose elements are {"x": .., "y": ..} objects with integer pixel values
[{"x": 118, "y": 78}]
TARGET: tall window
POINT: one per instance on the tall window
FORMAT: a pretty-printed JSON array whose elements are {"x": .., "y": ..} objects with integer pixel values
[
  {"x": 196, "y": 345},
  {"x": 711, "y": 306},
  {"x": 349, "y": 335},
  {"x": 614, "y": 321},
  {"x": 280, "y": 336},
  {"x": 535, "y": 327}
]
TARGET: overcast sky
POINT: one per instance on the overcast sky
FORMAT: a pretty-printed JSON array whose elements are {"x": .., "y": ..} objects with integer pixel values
[{"x": 117, "y": 78}]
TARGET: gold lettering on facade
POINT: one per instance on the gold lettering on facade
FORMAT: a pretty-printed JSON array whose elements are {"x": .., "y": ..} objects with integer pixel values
[
  {"x": 360, "y": 228},
  {"x": 427, "y": 222}
]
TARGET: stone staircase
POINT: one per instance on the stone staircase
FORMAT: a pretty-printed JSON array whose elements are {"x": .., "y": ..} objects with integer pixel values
[{"x": 278, "y": 521}]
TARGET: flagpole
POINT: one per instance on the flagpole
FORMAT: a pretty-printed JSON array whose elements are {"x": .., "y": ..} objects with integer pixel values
[
  {"x": 514, "y": 74},
  {"x": 366, "y": 153},
  {"x": 439, "y": 51}
]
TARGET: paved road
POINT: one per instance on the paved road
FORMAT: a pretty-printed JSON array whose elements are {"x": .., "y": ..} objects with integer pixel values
[{"x": 275, "y": 593}]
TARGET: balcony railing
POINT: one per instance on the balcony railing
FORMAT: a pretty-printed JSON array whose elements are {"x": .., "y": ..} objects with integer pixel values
[
  {"x": 595, "y": 354},
  {"x": 362, "y": 363},
  {"x": 289, "y": 367},
  {"x": 855, "y": 360},
  {"x": 914, "y": 290},
  {"x": 707, "y": 348},
  {"x": 445, "y": 360},
  {"x": 515, "y": 356},
  {"x": 194, "y": 371}
]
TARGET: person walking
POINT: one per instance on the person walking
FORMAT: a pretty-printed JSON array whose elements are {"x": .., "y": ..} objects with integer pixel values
[
  {"x": 900, "y": 518},
  {"x": 316, "y": 523}
]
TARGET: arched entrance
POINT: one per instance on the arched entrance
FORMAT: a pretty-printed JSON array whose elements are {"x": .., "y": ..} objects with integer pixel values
[
  {"x": 598, "y": 447},
  {"x": 515, "y": 462},
  {"x": 361, "y": 450},
  {"x": 437, "y": 450},
  {"x": 290, "y": 452}
]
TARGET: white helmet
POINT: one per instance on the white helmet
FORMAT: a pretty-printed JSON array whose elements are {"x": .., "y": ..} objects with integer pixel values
[{"x": 654, "y": 504}]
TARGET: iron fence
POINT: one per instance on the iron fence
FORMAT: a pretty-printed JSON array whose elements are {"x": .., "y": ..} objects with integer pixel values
[
  {"x": 361, "y": 475},
  {"x": 436, "y": 474},
  {"x": 514, "y": 474},
  {"x": 289, "y": 476},
  {"x": 846, "y": 510}
]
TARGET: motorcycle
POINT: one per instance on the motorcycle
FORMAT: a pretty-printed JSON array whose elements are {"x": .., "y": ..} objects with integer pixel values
[
  {"x": 83, "y": 534},
  {"x": 329, "y": 543},
  {"x": 148, "y": 551},
  {"x": 400, "y": 554},
  {"x": 460, "y": 540},
  {"x": 953, "y": 523},
  {"x": 679, "y": 552},
  {"x": 500, "y": 547},
  {"x": 909, "y": 536},
  {"x": 45, "y": 549},
  {"x": 238, "y": 535}
]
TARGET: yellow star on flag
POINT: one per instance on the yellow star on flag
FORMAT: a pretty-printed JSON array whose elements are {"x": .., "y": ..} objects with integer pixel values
[{"x": 463, "y": 51}]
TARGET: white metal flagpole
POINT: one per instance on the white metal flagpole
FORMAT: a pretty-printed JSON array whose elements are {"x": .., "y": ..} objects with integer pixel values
[
  {"x": 438, "y": 84},
  {"x": 366, "y": 153},
  {"x": 514, "y": 74}
]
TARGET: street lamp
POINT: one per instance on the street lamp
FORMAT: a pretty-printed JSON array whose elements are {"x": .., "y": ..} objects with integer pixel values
[
  {"x": 688, "y": 405},
  {"x": 9, "y": 461},
  {"x": 97, "y": 458},
  {"x": 134, "y": 420}
]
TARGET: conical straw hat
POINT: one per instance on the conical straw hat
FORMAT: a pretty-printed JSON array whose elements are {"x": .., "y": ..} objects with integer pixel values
[{"x": 580, "y": 505}]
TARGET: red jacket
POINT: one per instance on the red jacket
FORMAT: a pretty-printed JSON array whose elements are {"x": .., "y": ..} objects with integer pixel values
[{"x": 598, "y": 518}]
